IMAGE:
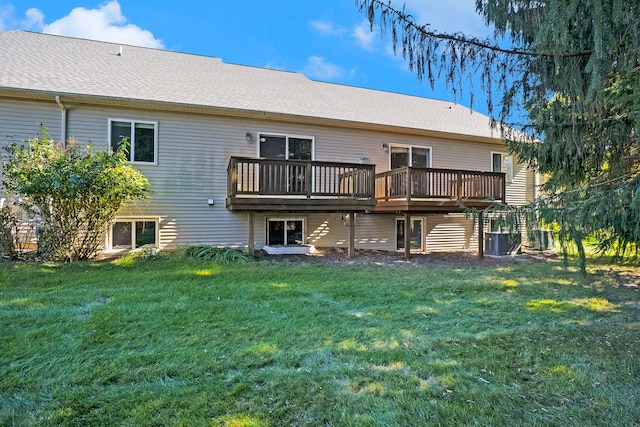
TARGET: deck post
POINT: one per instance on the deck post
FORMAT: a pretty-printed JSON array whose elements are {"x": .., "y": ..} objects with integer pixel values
[
  {"x": 480, "y": 235},
  {"x": 308, "y": 176},
  {"x": 352, "y": 235},
  {"x": 407, "y": 235},
  {"x": 251, "y": 237},
  {"x": 504, "y": 188}
]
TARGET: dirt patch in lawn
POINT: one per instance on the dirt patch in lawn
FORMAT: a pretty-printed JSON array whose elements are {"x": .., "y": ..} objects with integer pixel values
[{"x": 338, "y": 256}]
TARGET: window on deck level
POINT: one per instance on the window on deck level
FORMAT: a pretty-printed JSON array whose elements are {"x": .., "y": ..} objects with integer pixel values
[
  {"x": 286, "y": 147},
  {"x": 415, "y": 157},
  {"x": 502, "y": 163}
]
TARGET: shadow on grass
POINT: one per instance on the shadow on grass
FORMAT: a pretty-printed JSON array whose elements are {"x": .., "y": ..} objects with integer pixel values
[{"x": 166, "y": 341}]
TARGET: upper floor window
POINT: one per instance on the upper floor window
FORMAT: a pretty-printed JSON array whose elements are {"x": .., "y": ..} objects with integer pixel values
[
  {"x": 502, "y": 163},
  {"x": 286, "y": 147},
  {"x": 415, "y": 157},
  {"x": 141, "y": 135}
]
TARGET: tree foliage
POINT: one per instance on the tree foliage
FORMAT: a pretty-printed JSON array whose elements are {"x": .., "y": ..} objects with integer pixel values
[
  {"x": 562, "y": 79},
  {"x": 75, "y": 191}
]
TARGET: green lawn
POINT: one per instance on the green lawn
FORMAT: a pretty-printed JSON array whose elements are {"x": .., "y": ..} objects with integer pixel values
[{"x": 184, "y": 342}]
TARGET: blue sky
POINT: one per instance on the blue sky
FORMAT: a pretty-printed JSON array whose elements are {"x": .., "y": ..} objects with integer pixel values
[{"x": 327, "y": 40}]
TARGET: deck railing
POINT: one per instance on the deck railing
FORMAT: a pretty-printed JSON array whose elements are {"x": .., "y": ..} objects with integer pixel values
[
  {"x": 413, "y": 183},
  {"x": 269, "y": 177}
]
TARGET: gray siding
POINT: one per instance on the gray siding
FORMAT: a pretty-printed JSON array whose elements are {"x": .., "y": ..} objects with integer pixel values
[
  {"x": 521, "y": 190},
  {"x": 20, "y": 120},
  {"x": 194, "y": 151}
]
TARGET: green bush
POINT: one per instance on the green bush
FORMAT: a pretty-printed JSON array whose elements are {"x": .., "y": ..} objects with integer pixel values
[
  {"x": 75, "y": 191},
  {"x": 215, "y": 254}
]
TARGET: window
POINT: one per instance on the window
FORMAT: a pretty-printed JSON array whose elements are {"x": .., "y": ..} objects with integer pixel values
[
  {"x": 502, "y": 163},
  {"x": 286, "y": 147},
  {"x": 285, "y": 232},
  {"x": 132, "y": 234},
  {"x": 415, "y": 157},
  {"x": 142, "y": 138},
  {"x": 415, "y": 232},
  {"x": 496, "y": 162},
  {"x": 280, "y": 178}
]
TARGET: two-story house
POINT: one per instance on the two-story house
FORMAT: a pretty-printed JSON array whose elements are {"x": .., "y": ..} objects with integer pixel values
[{"x": 247, "y": 157}]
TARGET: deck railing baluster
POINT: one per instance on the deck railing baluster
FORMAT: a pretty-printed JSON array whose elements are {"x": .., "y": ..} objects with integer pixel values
[
  {"x": 308, "y": 179},
  {"x": 408, "y": 183}
]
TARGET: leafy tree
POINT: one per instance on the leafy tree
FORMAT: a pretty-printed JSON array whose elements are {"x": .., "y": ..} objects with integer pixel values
[
  {"x": 75, "y": 191},
  {"x": 565, "y": 76}
]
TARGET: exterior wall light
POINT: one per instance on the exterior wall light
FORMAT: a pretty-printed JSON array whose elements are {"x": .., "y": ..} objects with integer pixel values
[
  {"x": 248, "y": 137},
  {"x": 385, "y": 147}
]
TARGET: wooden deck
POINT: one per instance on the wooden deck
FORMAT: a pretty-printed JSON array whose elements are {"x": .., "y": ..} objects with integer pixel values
[
  {"x": 299, "y": 186},
  {"x": 268, "y": 185},
  {"x": 308, "y": 186},
  {"x": 417, "y": 190}
]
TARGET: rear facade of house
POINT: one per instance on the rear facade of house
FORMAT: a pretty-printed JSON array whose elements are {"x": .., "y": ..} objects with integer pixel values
[{"x": 245, "y": 157}]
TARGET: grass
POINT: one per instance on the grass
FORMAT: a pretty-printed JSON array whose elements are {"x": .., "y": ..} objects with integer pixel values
[{"x": 168, "y": 341}]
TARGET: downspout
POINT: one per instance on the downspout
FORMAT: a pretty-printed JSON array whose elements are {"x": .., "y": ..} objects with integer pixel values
[{"x": 63, "y": 123}]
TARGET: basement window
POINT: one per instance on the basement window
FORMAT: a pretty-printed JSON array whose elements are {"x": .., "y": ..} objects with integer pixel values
[
  {"x": 285, "y": 232},
  {"x": 416, "y": 236},
  {"x": 134, "y": 234}
]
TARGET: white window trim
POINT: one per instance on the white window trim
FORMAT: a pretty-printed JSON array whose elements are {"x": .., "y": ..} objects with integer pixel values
[
  {"x": 286, "y": 136},
  {"x": 493, "y": 153},
  {"x": 422, "y": 238},
  {"x": 304, "y": 228},
  {"x": 411, "y": 147},
  {"x": 132, "y": 149},
  {"x": 132, "y": 219},
  {"x": 506, "y": 165}
]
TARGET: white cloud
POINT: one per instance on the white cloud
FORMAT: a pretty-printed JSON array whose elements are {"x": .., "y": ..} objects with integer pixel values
[
  {"x": 318, "y": 68},
  {"x": 361, "y": 33},
  {"x": 364, "y": 36},
  {"x": 328, "y": 28},
  {"x": 6, "y": 16},
  {"x": 105, "y": 23},
  {"x": 35, "y": 19},
  {"x": 458, "y": 16},
  {"x": 275, "y": 66}
]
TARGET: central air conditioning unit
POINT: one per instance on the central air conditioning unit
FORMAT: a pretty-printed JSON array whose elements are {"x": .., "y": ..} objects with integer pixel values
[{"x": 500, "y": 244}]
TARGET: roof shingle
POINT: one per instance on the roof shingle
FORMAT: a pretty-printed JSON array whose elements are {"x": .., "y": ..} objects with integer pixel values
[{"x": 69, "y": 66}]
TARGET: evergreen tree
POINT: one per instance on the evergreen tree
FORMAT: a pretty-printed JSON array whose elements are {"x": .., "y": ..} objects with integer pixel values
[{"x": 572, "y": 67}]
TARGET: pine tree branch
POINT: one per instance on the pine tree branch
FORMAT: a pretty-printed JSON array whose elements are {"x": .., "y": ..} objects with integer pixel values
[{"x": 460, "y": 38}]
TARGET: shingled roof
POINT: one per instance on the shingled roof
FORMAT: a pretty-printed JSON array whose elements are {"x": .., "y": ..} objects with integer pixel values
[{"x": 42, "y": 64}]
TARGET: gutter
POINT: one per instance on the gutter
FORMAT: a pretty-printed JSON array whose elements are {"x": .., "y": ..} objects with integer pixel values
[
  {"x": 226, "y": 111},
  {"x": 63, "y": 121}
]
